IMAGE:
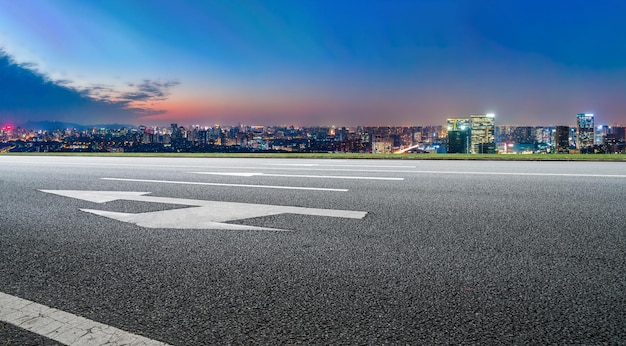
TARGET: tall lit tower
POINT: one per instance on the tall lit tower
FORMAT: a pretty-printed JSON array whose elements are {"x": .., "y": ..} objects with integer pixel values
[
  {"x": 561, "y": 140},
  {"x": 483, "y": 139},
  {"x": 600, "y": 134},
  {"x": 458, "y": 135},
  {"x": 585, "y": 133}
]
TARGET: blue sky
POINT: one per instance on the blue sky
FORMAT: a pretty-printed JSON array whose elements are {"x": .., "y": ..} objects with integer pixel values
[{"x": 314, "y": 62}]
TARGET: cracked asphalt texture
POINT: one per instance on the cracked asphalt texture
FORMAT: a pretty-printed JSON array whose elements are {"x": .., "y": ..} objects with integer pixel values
[{"x": 439, "y": 259}]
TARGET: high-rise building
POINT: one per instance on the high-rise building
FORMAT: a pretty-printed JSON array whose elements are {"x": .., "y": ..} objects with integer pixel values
[
  {"x": 561, "y": 140},
  {"x": 601, "y": 132},
  {"x": 586, "y": 131},
  {"x": 524, "y": 135},
  {"x": 620, "y": 133},
  {"x": 459, "y": 135},
  {"x": 382, "y": 145},
  {"x": 483, "y": 139},
  {"x": 610, "y": 144}
]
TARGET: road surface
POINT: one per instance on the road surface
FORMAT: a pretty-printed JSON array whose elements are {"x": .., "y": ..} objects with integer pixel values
[{"x": 188, "y": 251}]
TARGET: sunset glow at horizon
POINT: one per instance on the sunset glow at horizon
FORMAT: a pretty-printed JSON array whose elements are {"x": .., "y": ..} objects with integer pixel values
[{"x": 370, "y": 63}]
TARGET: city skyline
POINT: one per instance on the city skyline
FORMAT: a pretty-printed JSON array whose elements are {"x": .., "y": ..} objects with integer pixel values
[
  {"x": 346, "y": 63},
  {"x": 475, "y": 135}
]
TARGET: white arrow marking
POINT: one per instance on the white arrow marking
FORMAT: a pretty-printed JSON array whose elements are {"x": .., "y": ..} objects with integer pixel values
[
  {"x": 99, "y": 196},
  {"x": 231, "y": 185},
  {"x": 203, "y": 214},
  {"x": 296, "y": 176}
]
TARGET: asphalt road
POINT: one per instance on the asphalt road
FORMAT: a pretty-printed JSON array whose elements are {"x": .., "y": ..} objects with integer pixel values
[{"x": 449, "y": 252}]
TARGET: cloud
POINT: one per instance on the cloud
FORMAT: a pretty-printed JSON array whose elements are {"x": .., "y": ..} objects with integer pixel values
[
  {"x": 149, "y": 90},
  {"x": 28, "y": 95}
]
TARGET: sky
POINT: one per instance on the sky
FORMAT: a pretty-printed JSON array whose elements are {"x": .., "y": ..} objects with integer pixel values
[{"x": 312, "y": 62}]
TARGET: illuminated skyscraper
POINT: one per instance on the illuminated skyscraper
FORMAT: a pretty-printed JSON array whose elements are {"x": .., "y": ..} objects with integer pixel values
[
  {"x": 458, "y": 135},
  {"x": 620, "y": 133},
  {"x": 483, "y": 139},
  {"x": 601, "y": 132},
  {"x": 561, "y": 140},
  {"x": 585, "y": 133}
]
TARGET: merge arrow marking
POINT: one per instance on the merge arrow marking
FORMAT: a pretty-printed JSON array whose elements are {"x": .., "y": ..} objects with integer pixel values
[
  {"x": 161, "y": 219},
  {"x": 203, "y": 214}
]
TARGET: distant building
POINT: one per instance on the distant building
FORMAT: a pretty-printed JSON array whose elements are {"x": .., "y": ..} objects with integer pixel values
[
  {"x": 619, "y": 132},
  {"x": 482, "y": 136},
  {"x": 601, "y": 132},
  {"x": 503, "y": 133},
  {"x": 459, "y": 130},
  {"x": 610, "y": 144},
  {"x": 524, "y": 135},
  {"x": 382, "y": 146},
  {"x": 586, "y": 132},
  {"x": 561, "y": 140},
  {"x": 544, "y": 135},
  {"x": 116, "y": 150}
]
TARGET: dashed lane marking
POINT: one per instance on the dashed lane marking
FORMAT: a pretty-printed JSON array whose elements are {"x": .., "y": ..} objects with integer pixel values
[
  {"x": 64, "y": 327},
  {"x": 230, "y": 185},
  {"x": 327, "y": 165},
  {"x": 297, "y": 176}
]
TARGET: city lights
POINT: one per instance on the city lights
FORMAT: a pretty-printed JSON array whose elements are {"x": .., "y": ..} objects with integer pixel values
[{"x": 474, "y": 134}]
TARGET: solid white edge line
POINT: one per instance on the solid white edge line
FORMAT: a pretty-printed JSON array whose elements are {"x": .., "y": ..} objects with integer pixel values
[
  {"x": 529, "y": 174},
  {"x": 229, "y": 185},
  {"x": 434, "y": 172},
  {"x": 445, "y": 172},
  {"x": 64, "y": 327},
  {"x": 248, "y": 175},
  {"x": 341, "y": 170},
  {"x": 323, "y": 165}
]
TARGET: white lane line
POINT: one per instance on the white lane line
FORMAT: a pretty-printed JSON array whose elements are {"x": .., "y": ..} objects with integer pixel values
[
  {"x": 246, "y": 175},
  {"x": 231, "y": 185},
  {"x": 64, "y": 327},
  {"x": 283, "y": 166},
  {"x": 529, "y": 174},
  {"x": 443, "y": 172},
  {"x": 87, "y": 164},
  {"x": 296, "y": 176},
  {"x": 323, "y": 165},
  {"x": 327, "y": 169}
]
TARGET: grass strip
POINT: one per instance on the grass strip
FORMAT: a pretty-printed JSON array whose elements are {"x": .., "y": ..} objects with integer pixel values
[{"x": 471, "y": 157}]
